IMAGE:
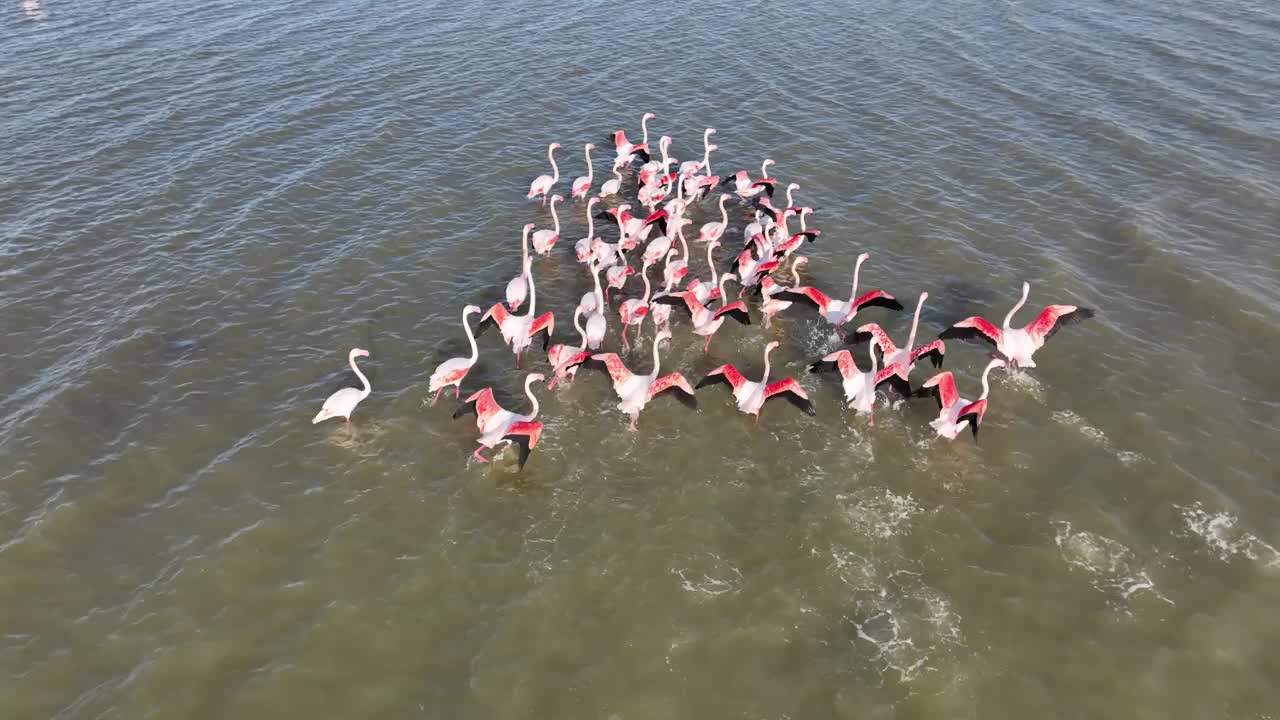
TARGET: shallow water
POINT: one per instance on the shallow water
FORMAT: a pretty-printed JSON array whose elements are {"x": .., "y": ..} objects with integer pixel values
[{"x": 204, "y": 205}]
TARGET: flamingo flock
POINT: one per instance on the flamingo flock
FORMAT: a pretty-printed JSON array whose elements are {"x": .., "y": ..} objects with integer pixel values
[{"x": 764, "y": 263}]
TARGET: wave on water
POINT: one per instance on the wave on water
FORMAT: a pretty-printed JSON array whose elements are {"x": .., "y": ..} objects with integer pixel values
[
  {"x": 878, "y": 512},
  {"x": 1069, "y": 418},
  {"x": 1112, "y": 567},
  {"x": 1222, "y": 534},
  {"x": 708, "y": 574}
]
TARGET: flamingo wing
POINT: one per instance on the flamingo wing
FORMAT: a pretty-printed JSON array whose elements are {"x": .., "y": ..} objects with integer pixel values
[
  {"x": 973, "y": 412},
  {"x": 688, "y": 298},
  {"x": 813, "y": 297},
  {"x": 677, "y": 381},
  {"x": 493, "y": 317},
  {"x": 727, "y": 374},
  {"x": 943, "y": 389},
  {"x": 974, "y": 328},
  {"x": 613, "y": 364},
  {"x": 934, "y": 350},
  {"x": 809, "y": 235},
  {"x": 737, "y": 311},
  {"x": 479, "y": 403},
  {"x": 877, "y": 298},
  {"x": 876, "y": 335},
  {"x": 546, "y": 321},
  {"x": 1052, "y": 318},
  {"x": 791, "y": 391},
  {"x": 841, "y": 360},
  {"x": 526, "y": 435},
  {"x": 890, "y": 374}
]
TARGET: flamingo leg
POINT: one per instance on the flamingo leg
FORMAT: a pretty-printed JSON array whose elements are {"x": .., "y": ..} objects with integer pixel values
[
  {"x": 457, "y": 391},
  {"x": 626, "y": 345},
  {"x": 437, "y": 397},
  {"x": 706, "y": 346},
  {"x": 757, "y": 419},
  {"x": 633, "y": 427},
  {"x": 478, "y": 456}
]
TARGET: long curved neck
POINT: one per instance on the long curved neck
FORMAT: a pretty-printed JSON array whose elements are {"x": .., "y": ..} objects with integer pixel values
[
  {"x": 591, "y": 222},
  {"x": 662, "y": 145},
  {"x": 1009, "y": 318},
  {"x": 790, "y": 201},
  {"x": 875, "y": 366},
  {"x": 533, "y": 293},
  {"x": 915, "y": 324},
  {"x": 655, "y": 357},
  {"x": 587, "y": 151},
  {"x": 363, "y": 380},
  {"x": 644, "y": 129},
  {"x": 555, "y": 170},
  {"x": 724, "y": 214},
  {"x": 471, "y": 338},
  {"x": 724, "y": 299},
  {"x": 528, "y": 390},
  {"x": 706, "y": 153},
  {"x": 764, "y": 169},
  {"x": 577, "y": 325},
  {"x": 857, "y": 270},
  {"x": 684, "y": 245},
  {"x": 765, "y": 379},
  {"x": 555, "y": 216},
  {"x": 986, "y": 388},
  {"x": 803, "y": 225},
  {"x": 710, "y": 264},
  {"x": 644, "y": 273},
  {"x": 595, "y": 275},
  {"x": 795, "y": 274}
]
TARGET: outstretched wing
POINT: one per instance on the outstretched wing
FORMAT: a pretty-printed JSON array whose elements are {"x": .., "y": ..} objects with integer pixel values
[
  {"x": 727, "y": 374},
  {"x": 809, "y": 235},
  {"x": 525, "y": 435},
  {"x": 547, "y": 321},
  {"x": 895, "y": 380},
  {"x": 934, "y": 350},
  {"x": 876, "y": 335},
  {"x": 613, "y": 364},
  {"x": 813, "y": 297},
  {"x": 841, "y": 360},
  {"x": 973, "y": 412},
  {"x": 677, "y": 381},
  {"x": 973, "y": 328},
  {"x": 943, "y": 389},
  {"x": 686, "y": 298},
  {"x": 737, "y": 311},
  {"x": 481, "y": 403},
  {"x": 493, "y": 317},
  {"x": 1052, "y": 318},
  {"x": 791, "y": 391},
  {"x": 877, "y": 298}
]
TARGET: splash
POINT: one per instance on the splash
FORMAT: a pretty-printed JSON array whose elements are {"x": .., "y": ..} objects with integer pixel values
[
  {"x": 1097, "y": 437},
  {"x": 1221, "y": 532},
  {"x": 708, "y": 574},
  {"x": 878, "y": 512},
  {"x": 1113, "y": 568}
]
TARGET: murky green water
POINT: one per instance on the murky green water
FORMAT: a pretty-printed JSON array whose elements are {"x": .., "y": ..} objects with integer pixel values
[{"x": 204, "y": 205}]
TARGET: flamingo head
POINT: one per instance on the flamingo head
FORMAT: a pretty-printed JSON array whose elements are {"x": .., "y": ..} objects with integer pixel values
[
  {"x": 648, "y": 116},
  {"x": 771, "y": 347},
  {"x": 471, "y": 309},
  {"x": 554, "y": 146},
  {"x": 592, "y": 201},
  {"x": 662, "y": 335},
  {"x": 793, "y": 187},
  {"x": 709, "y": 132},
  {"x": 1026, "y": 289},
  {"x": 591, "y": 146},
  {"x": 769, "y": 161},
  {"x": 533, "y": 378},
  {"x": 664, "y": 141},
  {"x": 863, "y": 258},
  {"x": 529, "y": 226},
  {"x": 801, "y": 260},
  {"x": 361, "y": 352}
]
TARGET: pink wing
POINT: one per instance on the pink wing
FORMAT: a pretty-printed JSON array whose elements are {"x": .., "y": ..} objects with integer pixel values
[
  {"x": 885, "y": 374},
  {"x": 498, "y": 312},
  {"x": 1042, "y": 326},
  {"x": 844, "y": 363},
  {"x": 936, "y": 349},
  {"x": 946, "y": 384},
  {"x": 974, "y": 327},
  {"x": 879, "y": 337},
  {"x": 546, "y": 322},
  {"x": 613, "y": 363},
  {"x": 669, "y": 381},
  {"x": 794, "y": 394},
  {"x": 730, "y": 373},
  {"x": 974, "y": 411},
  {"x": 877, "y": 294},
  {"x": 486, "y": 406},
  {"x": 815, "y": 295}
]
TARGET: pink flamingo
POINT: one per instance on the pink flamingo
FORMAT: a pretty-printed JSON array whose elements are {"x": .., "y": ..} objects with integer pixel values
[
  {"x": 751, "y": 396},
  {"x": 505, "y": 426},
  {"x": 518, "y": 330},
  {"x": 581, "y": 186},
  {"x": 954, "y": 412},
  {"x": 1017, "y": 345},
  {"x": 693, "y": 166},
  {"x": 676, "y": 270},
  {"x": 902, "y": 360},
  {"x": 564, "y": 359},
  {"x": 343, "y": 402},
  {"x": 616, "y": 276},
  {"x": 745, "y": 187},
  {"x": 518, "y": 287},
  {"x": 751, "y": 269},
  {"x": 772, "y": 304},
  {"x": 634, "y": 310},
  {"x": 542, "y": 184},
  {"x": 702, "y": 289},
  {"x": 582, "y": 248},
  {"x": 714, "y": 230},
  {"x": 635, "y": 391},
  {"x": 626, "y": 152},
  {"x": 705, "y": 320},
  {"x": 613, "y": 185},
  {"x": 859, "y": 387},
  {"x": 452, "y": 371},
  {"x": 597, "y": 317},
  {"x": 839, "y": 312},
  {"x": 544, "y": 240}
]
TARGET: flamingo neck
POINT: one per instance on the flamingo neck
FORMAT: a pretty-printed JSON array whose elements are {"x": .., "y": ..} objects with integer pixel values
[
  {"x": 644, "y": 128},
  {"x": 533, "y": 294},
  {"x": 915, "y": 324},
  {"x": 528, "y": 390},
  {"x": 555, "y": 216},
  {"x": 790, "y": 202},
  {"x": 724, "y": 299},
  {"x": 684, "y": 244},
  {"x": 595, "y": 275},
  {"x": 524, "y": 248},
  {"x": 591, "y": 222},
  {"x": 363, "y": 380},
  {"x": 577, "y": 325},
  {"x": 764, "y": 169},
  {"x": 706, "y": 155},
  {"x": 871, "y": 350},
  {"x": 655, "y": 356},
  {"x": 986, "y": 388},
  {"x": 765, "y": 379},
  {"x": 795, "y": 274},
  {"x": 471, "y": 338},
  {"x": 724, "y": 214},
  {"x": 644, "y": 273},
  {"x": 1009, "y": 318},
  {"x": 555, "y": 170},
  {"x": 587, "y": 151},
  {"x": 710, "y": 264},
  {"x": 857, "y": 270}
]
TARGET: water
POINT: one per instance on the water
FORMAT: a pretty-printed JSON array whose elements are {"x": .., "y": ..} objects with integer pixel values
[{"x": 203, "y": 206}]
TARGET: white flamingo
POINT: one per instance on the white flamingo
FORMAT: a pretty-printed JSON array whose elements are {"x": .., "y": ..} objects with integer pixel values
[
  {"x": 1017, "y": 345},
  {"x": 518, "y": 287},
  {"x": 859, "y": 387},
  {"x": 772, "y": 304},
  {"x": 954, "y": 412},
  {"x": 544, "y": 240},
  {"x": 634, "y": 310},
  {"x": 613, "y": 185},
  {"x": 581, "y": 186},
  {"x": 714, "y": 230},
  {"x": 751, "y": 396},
  {"x": 452, "y": 371},
  {"x": 564, "y": 359},
  {"x": 635, "y": 391},
  {"x": 519, "y": 429},
  {"x": 902, "y": 360},
  {"x": 705, "y": 320},
  {"x": 582, "y": 248},
  {"x": 343, "y": 402},
  {"x": 542, "y": 184},
  {"x": 839, "y": 312},
  {"x": 518, "y": 330}
]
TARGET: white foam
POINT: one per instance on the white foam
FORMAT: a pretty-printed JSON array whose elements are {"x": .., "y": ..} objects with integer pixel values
[
  {"x": 1222, "y": 534},
  {"x": 1097, "y": 437},
  {"x": 878, "y": 512},
  {"x": 1113, "y": 568},
  {"x": 708, "y": 574}
]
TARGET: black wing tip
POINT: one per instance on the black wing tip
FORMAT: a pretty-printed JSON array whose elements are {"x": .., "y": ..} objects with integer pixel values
[
  {"x": 464, "y": 409},
  {"x": 953, "y": 333},
  {"x": 603, "y": 216},
  {"x": 858, "y": 337},
  {"x": 809, "y": 409}
]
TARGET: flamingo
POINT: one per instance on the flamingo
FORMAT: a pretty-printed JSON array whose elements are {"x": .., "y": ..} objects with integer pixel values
[
  {"x": 657, "y": 249},
  {"x": 518, "y": 287},
  {"x": 745, "y": 188},
  {"x": 791, "y": 188},
  {"x": 612, "y": 186},
  {"x": 676, "y": 270},
  {"x": 508, "y": 427},
  {"x": 702, "y": 289},
  {"x": 902, "y": 360},
  {"x": 751, "y": 396},
  {"x": 859, "y": 387},
  {"x": 773, "y": 305},
  {"x": 518, "y": 330},
  {"x": 1017, "y": 345},
  {"x": 542, "y": 184},
  {"x": 839, "y": 312},
  {"x": 343, "y": 402},
  {"x": 452, "y": 371},
  {"x": 693, "y": 166},
  {"x": 581, "y": 186},
  {"x": 750, "y": 269},
  {"x": 705, "y": 320},
  {"x": 544, "y": 240},
  {"x": 598, "y": 319},
  {"x": 635, "y": 391},
  {"x": 564, "y": 359},
  {"x": 626, "y": 152},
  {"x": 615, "y": 277},
  {"x": 714, "y": 230},
  {"x": 634, "y": 310},
  {"x": 582, "y": 248},
  {"x": 954, "y": 412}
]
